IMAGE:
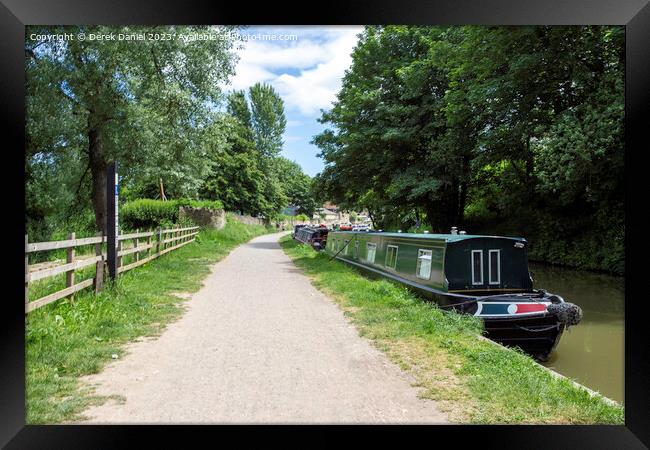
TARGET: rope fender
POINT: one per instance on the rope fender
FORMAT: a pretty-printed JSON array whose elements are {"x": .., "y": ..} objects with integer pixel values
[{"x": 567, "y": 313}]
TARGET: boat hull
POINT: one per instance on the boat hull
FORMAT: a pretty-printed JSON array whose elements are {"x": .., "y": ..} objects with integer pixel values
[{"x": 536, "y": 334}]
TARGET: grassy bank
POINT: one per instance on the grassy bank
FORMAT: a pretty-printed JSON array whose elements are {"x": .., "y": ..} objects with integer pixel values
[
  {"x": 472, "y": 380},
  {"x": 67, "y": 340}
]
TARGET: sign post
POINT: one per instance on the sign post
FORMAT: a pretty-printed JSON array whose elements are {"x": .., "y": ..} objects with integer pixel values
[{"x": 112, "y": 215}]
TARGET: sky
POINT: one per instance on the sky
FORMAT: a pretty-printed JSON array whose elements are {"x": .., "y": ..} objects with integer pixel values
[{"x": 306, "y": 71}]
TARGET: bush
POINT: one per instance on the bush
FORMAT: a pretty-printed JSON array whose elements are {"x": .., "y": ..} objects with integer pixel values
[
  {"x": 205, "y": 204},
  {"x": 148, "y": 214}
]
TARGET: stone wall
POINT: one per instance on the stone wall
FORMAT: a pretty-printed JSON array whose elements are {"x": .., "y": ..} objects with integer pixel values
[
  {"x": 249, "y": 220},
  {"x": 204, "y": 217}
]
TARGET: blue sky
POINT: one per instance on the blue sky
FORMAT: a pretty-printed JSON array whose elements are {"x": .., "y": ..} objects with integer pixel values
[{"x": 307, "y": 74}]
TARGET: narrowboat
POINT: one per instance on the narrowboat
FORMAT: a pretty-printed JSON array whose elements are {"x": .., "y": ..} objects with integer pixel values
[
  {"x": 296, "y": 228},
  {"x": 314, "y": 236},
  {"x": 486, "y": 276}
]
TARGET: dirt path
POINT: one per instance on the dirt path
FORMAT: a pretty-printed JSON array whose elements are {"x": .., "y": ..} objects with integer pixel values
[{"x": 258, "y": 344}]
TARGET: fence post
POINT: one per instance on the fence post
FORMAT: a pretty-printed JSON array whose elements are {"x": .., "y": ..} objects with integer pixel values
[
  {"x": 119, "y": 258},
  {"x": 135, "y": 245},
  {"x": 149, "y": 246},
  {"x": 99, "y": 266},
  {"x": 159, "y": 243},
  {"x": 26, "y": 274},
  {"x": 69, "y": 275}
]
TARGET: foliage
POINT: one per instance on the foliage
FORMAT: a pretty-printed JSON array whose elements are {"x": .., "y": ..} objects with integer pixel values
[
  {"x": 157, "y": 108},
  {"x": 238, "y": 176},
  {"x": 147, "y": 214},
  {"x": 297, "y": 186},
  {"x": 246, "y": 172},
  {"x": 267, "y": 119},
  {"x": 509, "y": 129},
  {"x": 143, "y": 103}
]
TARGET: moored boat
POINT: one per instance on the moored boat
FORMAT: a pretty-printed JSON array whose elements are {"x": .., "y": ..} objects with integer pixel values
[
  {"x": 296, "y": 228},
  {"x": 316, "y": 236},
  {"x": 486, "y": 276}
]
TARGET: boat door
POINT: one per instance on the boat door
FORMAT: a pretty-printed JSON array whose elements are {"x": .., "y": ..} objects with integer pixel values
[{"x": 486, "y": 267}]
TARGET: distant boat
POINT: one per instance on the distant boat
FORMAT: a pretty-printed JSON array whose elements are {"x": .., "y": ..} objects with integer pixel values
[
  {"x": 486, "y": 276},
  {"x": 316, "y": 236},
  {"x": 296, "y": 228}
]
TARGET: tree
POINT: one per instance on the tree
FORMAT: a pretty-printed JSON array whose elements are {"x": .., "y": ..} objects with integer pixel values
[
  {"x": 238, "y": 108},
  {"x": 514, "y": 129},
  {"x": 297, "y": 185},
  {"x": 126, "y": 100},
  {"x": 235, "y": 177},
  {"x": 391, "y": 135},
  {"x": 267, "y": 117},
  {"x": 247, "y": 174}
]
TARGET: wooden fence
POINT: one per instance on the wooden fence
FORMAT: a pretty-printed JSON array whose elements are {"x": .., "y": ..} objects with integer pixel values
[{"x": 156, "y": 243}]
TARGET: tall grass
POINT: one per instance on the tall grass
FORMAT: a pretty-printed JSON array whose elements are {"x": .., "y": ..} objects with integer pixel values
[
  {"x": 473, "y": 380},
  {"x": 66, "y": 340}
]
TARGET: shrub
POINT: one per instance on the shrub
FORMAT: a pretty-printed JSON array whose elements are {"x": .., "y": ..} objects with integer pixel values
[
  {"x": 145, "y": 214},
  {"x": 205, "y": 204},
  {"x": 148, "y": 214}
]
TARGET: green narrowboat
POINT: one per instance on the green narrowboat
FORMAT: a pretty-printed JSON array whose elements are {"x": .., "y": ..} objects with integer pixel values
[{"x": 486, "y": 276}]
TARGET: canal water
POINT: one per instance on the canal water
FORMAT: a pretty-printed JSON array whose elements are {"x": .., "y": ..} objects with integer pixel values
[{"x": 592, "y": 352}]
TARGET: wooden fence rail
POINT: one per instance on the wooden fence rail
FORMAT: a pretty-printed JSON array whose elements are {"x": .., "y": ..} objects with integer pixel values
[{"x": 165, "y": 241}]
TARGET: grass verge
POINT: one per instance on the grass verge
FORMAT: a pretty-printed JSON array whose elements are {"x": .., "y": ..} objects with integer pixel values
[
  {"x": 67, "y": 340},
  {"x": 473, "y": 381}
]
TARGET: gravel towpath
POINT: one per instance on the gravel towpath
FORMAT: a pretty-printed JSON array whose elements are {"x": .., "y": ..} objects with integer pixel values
[{"x": 258, "y": 344}]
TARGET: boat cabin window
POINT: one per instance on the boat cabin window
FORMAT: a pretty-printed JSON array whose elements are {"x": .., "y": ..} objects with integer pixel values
[
  {"x": 371, "y": 250},
  {"x": 423, "y": 269},
  {"x": 494, "y": 267},
  {"x": 477, "y": 267},
  {"x": 391, "y": 256}
]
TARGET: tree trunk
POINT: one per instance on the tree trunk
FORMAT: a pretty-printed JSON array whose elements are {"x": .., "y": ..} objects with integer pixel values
[
  {"x": 372, "y": 220},
  {"x": 462, "y": 199},
  {"x": 442, "y": 213},
  {"x": 98, "y": 168},
  {"x": 530, "y": 174},
  {"x": 463, "y": 189}
]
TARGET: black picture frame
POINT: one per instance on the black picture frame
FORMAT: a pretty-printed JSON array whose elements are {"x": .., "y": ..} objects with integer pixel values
[{"x": 15, "y": 14}]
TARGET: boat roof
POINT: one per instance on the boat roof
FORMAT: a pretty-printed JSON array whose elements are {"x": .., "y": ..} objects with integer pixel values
[{"x": 444, "y": 237}]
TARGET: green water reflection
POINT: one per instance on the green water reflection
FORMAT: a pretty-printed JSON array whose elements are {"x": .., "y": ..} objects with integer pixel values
[{"x": 592, "y": 352}]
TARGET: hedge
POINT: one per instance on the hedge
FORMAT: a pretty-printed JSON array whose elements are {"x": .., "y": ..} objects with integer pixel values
[{"x": 149, "y": 214}]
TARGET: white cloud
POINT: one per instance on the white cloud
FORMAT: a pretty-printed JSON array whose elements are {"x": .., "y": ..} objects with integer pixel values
[{"x": 306, "y": 73}]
